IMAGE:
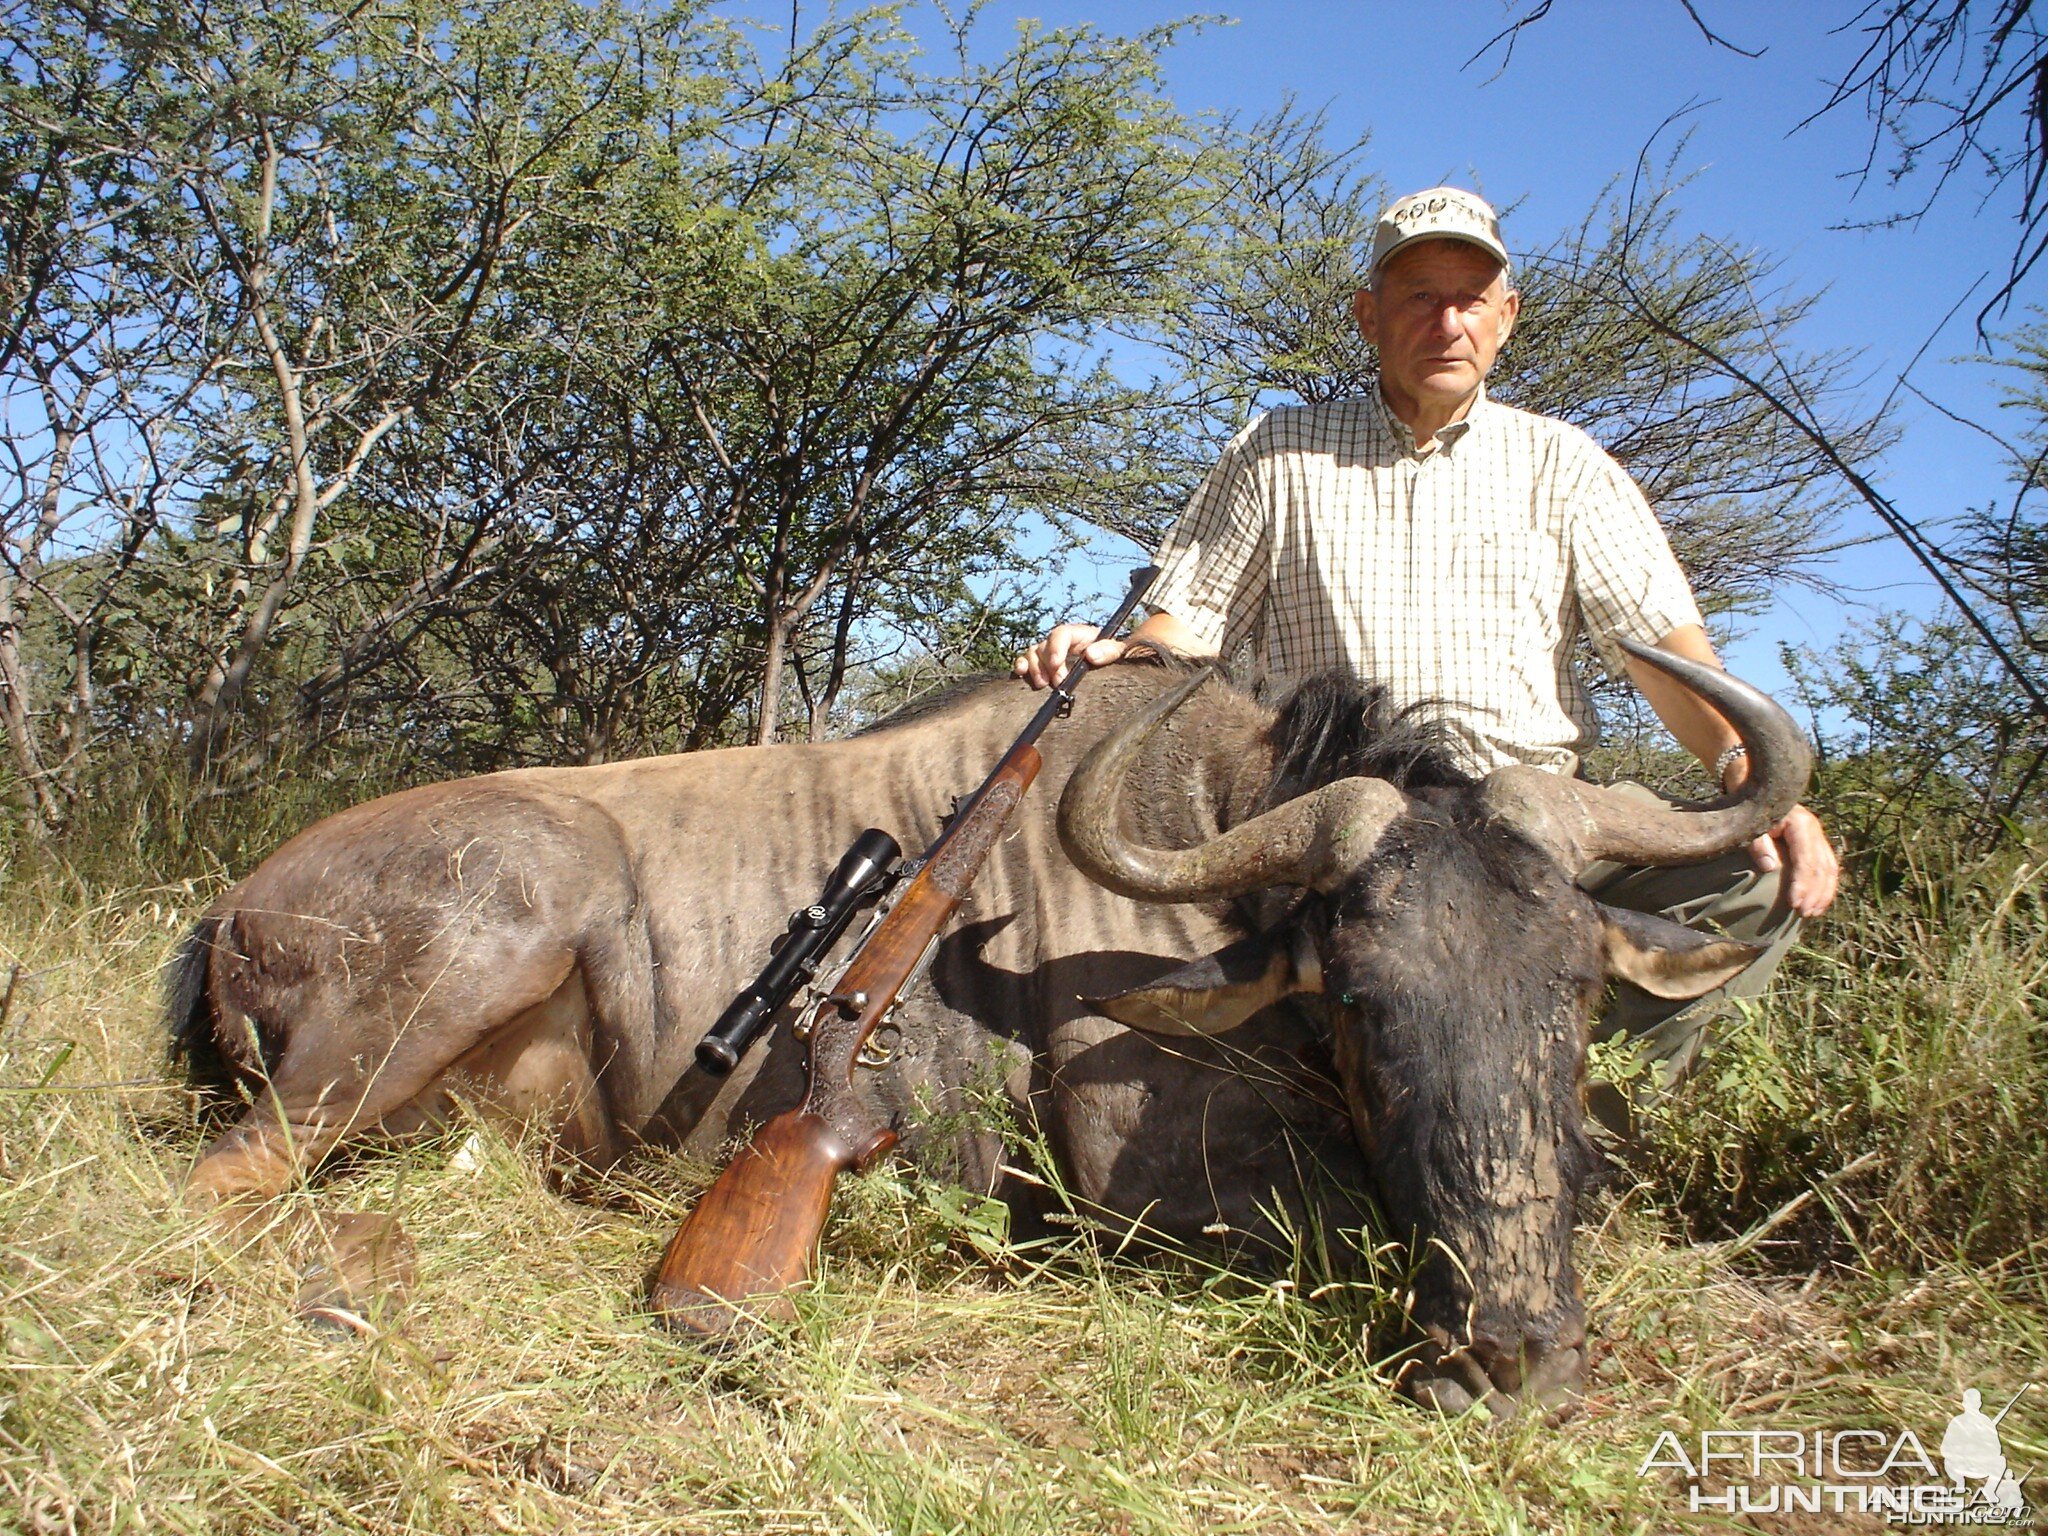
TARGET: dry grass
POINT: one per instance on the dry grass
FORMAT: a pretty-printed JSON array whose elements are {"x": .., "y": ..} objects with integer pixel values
[{"x": 156, "y": 1382}]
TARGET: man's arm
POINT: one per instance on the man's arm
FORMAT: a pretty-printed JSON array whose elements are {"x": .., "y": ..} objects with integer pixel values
[
  {"x": 1047, "y": 662},
  {"x": 1798, "y": 844}
]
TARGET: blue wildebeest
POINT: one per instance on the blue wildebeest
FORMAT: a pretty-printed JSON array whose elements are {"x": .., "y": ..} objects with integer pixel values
[{"x": 551, "y": 943}]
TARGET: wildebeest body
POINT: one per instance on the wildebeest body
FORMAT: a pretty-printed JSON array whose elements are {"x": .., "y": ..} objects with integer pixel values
[
  {"x": 554, "y": 942},
  {"x": 376, "y": 951}
]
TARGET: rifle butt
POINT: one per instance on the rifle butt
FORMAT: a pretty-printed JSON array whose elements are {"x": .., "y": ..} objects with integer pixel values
[{"x": 752, "y": 1235}]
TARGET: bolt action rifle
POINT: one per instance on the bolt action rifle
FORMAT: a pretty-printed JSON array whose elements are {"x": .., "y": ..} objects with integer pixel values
[{"x": 751, "y": 1236}]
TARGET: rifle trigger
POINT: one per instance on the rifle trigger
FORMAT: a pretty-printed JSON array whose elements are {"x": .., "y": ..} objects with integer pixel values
[{"x": 873, "y": 1053}]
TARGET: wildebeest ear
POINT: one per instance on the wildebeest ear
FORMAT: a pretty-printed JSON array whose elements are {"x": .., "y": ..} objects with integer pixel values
[
  {"x": 1220, "y": 991},
  {"x": 1668, "y": 959}
]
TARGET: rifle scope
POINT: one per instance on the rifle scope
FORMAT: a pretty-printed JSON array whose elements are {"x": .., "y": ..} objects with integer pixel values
[{"x": 813, "y": 930}]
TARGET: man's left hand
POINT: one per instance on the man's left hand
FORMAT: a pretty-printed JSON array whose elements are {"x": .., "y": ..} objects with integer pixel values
[{"x": 1799, "y": 845}]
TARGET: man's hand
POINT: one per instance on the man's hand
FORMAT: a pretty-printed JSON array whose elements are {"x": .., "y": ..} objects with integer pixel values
[
  {"x": 1799, "y": 846},
  {"x": 1047, "y": 662}
]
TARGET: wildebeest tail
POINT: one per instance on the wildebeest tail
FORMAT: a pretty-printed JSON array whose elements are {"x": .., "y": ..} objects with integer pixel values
[{"x": 195, "y": 1044}]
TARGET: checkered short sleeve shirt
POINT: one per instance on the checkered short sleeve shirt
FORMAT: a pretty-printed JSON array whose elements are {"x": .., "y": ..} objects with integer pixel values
[{"x": 1458, "y": 576}]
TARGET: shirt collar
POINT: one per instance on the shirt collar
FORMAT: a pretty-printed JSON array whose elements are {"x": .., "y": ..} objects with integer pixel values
[{"x": 1448, "y": 438}]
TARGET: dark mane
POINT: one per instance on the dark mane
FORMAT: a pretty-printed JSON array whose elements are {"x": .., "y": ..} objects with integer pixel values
[{"x": 1334, "y": 726}]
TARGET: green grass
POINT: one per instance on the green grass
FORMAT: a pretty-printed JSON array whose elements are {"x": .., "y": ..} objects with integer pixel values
[
  {"x": 1894, "y": 1083},
  {"x": 154, "y": 1380}
]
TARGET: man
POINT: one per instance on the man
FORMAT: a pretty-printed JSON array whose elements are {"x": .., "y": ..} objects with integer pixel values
[{"x": 1452, "y": 548}]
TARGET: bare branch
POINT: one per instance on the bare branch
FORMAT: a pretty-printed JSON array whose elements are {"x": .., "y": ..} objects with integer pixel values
[
  {"x": 1506, "y": 38},
  {"x": 1692, "y": 10}
]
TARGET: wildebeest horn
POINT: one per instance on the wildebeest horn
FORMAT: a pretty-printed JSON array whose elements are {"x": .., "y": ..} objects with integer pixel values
[
  {"x": 1582, "y": 822},
  {"x": 1311, "y": 841}
]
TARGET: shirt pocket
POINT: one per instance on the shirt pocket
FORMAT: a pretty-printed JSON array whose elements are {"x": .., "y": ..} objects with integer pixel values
[{"x": 1509, "y": 581}]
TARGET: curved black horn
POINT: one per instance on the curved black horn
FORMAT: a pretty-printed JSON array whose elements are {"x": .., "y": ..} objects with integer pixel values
[
  {"x": 1305, "y": 842},
  {"x": 1583, "y": 822}
]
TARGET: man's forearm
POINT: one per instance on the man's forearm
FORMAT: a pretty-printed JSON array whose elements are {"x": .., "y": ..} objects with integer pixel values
[
  {"x": 1699, "y": 728},
  {"x": 1047, "y": 662},
  {"x": 1799, "y": 844},
  {"x": 1171, "y": 634}
]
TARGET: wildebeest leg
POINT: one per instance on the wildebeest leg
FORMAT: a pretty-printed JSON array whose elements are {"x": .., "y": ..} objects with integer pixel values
[
  {"x": 354, "y": 1265},
  {"x": 536, "y": 1073},
  {"x": 359, "y": 1268},
  {"x": 315, "y": 1098}
]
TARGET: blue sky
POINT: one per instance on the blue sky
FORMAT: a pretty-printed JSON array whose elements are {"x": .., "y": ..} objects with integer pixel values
[{"x": 1586, "y": 89}]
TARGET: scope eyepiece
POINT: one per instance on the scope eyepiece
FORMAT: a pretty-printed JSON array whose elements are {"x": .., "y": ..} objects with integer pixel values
[{"x": 716, "y": 1056}]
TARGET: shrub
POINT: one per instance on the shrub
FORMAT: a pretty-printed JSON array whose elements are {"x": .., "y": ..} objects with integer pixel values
[{"x": 1885, "y": 1099}]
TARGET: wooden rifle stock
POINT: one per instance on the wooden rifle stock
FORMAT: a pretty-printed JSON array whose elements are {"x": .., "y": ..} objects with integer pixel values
[{"x": 752, "y": 1235}]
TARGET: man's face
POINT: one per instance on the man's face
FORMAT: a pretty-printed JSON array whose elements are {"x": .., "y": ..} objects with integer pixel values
[{"x": 1438, "y": 315}]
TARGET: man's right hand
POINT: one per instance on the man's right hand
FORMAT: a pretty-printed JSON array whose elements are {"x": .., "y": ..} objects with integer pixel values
[{"x": 1047, "y": 662}]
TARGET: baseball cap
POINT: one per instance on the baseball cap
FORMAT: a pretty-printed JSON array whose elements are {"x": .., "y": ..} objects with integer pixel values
[{"x": 1441, "y": 213}]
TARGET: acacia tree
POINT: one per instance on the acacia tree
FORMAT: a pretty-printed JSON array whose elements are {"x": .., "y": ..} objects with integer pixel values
[
  {"x": 532, "y": 551},
  {"x": 1949, "y": 87},
  {"x": 1653, "y": 341},
  {"x": 1955, "y": 86},
  {"x": 1937, "y": 720},
  {"x": 93, "y": 393},
  {"x": 367, "y": 191},
  {"x": 552, "y": 382},
  {"x": 1952, "y": 710},
  {"x": 891, "y": 371},
  {"x": 812, "y": 423},
  {"x": 309, "y": 232}
]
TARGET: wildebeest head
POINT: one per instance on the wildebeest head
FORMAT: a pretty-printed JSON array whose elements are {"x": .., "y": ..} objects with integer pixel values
[{"x": 1459, "y": 963}]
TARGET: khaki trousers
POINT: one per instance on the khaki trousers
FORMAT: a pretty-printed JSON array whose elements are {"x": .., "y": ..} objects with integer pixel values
[{"x": 1728, "y": 895}]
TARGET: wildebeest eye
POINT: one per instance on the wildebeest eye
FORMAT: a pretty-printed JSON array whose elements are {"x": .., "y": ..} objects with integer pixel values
[{"x": 1347, "y": 999}]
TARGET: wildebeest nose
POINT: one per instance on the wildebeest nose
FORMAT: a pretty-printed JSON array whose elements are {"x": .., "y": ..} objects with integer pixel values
[
  {"x": 1509, "y": 1376},
  {"x": 1502, "y": 1360}
]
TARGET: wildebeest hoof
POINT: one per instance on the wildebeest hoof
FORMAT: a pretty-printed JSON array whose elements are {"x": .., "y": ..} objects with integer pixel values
[
  {"x": 358, "y": 1275},
  {"x": 1507, "y": 1385},
  {"x": 1554, "y": 1381},
  {"x": 1454, "y": 1399}
]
